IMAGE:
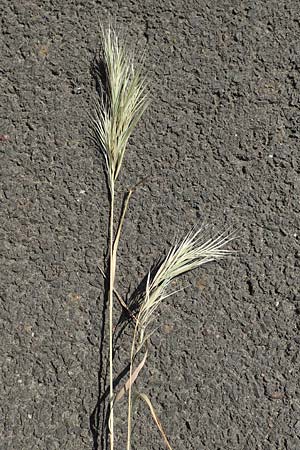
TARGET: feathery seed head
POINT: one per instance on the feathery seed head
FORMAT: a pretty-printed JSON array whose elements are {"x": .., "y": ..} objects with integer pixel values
[
  {"x": 117, "y": 115},
  {"x": 194, "y": 250}
]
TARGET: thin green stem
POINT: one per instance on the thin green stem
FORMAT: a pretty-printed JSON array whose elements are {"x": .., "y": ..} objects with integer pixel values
[{"x": 112, "y": 269}]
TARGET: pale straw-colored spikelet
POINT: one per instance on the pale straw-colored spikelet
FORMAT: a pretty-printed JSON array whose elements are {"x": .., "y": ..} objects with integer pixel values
[
  {"x": 126, "y": 99},
  {"x": 194, "y": 250}
]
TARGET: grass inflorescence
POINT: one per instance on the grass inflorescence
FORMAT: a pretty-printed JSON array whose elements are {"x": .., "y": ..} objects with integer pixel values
[{"x": 119, "y": 107}]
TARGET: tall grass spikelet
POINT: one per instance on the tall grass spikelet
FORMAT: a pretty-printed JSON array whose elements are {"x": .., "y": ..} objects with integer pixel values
[
  {"x": 117, "y": 115},
  {"x": 117, "y": 112}
]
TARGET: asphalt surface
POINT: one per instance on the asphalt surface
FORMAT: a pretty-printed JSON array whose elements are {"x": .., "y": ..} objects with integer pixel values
[{"x": 219, "y": 142}]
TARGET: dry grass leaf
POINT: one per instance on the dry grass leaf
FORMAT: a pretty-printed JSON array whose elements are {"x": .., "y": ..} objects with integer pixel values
[
  {"x": 156, "y": 419},
  {"x": 131, "y": 379}
]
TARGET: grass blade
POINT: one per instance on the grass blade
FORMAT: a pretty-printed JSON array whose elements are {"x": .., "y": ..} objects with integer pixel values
[{"x": 156, "y": 419}]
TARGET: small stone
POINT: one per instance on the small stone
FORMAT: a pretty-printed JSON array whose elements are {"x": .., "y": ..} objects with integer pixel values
[{"x": 276, "y": 395}]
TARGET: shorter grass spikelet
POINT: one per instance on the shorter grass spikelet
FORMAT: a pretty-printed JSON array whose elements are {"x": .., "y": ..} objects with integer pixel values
[{"x": 194, "y": 250}]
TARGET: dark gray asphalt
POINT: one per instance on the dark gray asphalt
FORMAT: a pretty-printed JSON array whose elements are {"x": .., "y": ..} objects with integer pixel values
[{"x": 219, "y": 142}]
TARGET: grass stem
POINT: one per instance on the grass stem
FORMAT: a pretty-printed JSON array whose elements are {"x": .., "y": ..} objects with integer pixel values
[
  {"x": 132, "y": 355},
  {"x": 112, "y": 270}
]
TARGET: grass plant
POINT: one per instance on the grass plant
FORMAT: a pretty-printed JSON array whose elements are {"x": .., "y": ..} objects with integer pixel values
[
  {"x": 118, "y": 110},
  {"x": 191, "y": 252},
  {"x": 116, "y": 115}
]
